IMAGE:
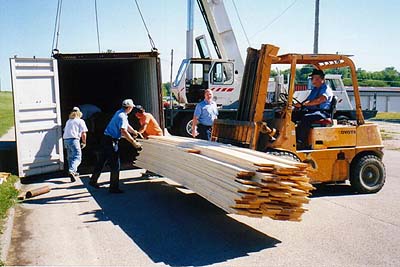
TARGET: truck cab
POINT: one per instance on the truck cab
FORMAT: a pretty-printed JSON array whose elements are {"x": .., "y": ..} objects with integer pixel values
[{"x": 197, "y": 74}]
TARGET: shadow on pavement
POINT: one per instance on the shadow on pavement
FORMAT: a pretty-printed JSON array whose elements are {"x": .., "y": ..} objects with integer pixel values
[
  {"x": 175, "y": 228},
  {"x": 169, "y": 226},
  {"x": 332, "y": 190}
]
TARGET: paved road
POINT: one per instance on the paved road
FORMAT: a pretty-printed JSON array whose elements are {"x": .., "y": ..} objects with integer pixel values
[{"x": 155, "y": 224}]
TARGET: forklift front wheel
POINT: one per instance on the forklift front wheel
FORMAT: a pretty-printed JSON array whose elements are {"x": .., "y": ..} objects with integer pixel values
[{"x": 368, "y": 174}]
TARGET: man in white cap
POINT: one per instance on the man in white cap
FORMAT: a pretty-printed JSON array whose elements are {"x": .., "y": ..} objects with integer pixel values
[{"x": 118, "y": 127}]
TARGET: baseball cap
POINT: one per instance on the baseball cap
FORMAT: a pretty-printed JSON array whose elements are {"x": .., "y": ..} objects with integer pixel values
[
  {"x": 318, "y": 72},
  {"x": 139, "y": 108},
  {"x": 128, "y": 103},
  {"x": 76, "y": 109}
]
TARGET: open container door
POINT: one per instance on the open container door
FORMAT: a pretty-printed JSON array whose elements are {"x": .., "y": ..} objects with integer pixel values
[{"x": 37, "y": 116}]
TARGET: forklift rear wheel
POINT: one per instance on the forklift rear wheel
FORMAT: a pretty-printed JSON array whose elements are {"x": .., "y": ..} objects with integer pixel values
[{"x": 368, "y": 174}]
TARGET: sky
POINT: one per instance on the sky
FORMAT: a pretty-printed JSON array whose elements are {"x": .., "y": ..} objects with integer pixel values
[{"x": 367, "y": 29}]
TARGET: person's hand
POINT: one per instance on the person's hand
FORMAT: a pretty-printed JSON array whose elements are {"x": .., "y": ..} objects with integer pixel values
[
  {"x": 298, "y": 105},
  {"x": 137, "y": 145},
  {"x": 194, "y": 134},
  {"x": 135, "y": 134},
  {"x": 83, "y": 145},
  {"x": 140, "y": 135}
]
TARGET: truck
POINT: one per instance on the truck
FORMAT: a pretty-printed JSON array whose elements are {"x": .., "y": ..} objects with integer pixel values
[{"x": 224, "y": 75}]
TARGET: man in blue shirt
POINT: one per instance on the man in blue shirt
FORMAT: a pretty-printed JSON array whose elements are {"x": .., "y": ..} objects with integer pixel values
[
  {"x": 118, "y": 127},
  {"x": 204, "y": 115},
  {"x": 317, "y": 105}
]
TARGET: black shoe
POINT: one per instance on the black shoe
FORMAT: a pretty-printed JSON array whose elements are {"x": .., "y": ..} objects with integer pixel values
[
  {"x": 72, "y": 176},
  {"x": 116, "y": 191},
  {"x": 94, "y": 184}
]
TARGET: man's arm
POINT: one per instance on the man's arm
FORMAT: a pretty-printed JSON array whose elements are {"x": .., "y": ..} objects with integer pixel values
[
  {"x": 194, "y": 127},
  {"x": 131, "y": 130},
  {"x": 144, "y": 126},
  {"x": 125, "y": 133},
  {"x": 195, "y": 121},
  {"x": 83, "y": 136},
  {"x": 129, "y": 138},
  {"x": 315, "y": 102}
]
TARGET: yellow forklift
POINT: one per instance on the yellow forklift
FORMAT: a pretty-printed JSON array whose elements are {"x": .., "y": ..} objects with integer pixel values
[{"x": 338, "y": 151}]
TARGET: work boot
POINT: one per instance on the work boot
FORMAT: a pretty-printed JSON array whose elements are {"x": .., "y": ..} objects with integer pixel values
[
  {"x": 94, "y": 184},
  {"x": 73, "y": 176}
]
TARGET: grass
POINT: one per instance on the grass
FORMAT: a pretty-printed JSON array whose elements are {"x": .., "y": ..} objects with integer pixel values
[
  {"x": 386, "y": 136},
  {"x": 387, "y": 116},
  {"x": 8, "y": 196},
  {"x": 6, "y": 112}
]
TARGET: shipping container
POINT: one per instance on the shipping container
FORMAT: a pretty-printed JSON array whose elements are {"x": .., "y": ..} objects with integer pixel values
[{"x": 45, "y": 91}]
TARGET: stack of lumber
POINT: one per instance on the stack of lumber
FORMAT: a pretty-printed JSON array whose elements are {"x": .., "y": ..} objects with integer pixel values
[{"x": 238, "y": 180}]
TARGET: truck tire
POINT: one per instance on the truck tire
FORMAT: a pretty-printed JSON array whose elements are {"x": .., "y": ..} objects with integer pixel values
[
  {"x": 367, "y": 174},
  {"x": 185, "y": 126}
]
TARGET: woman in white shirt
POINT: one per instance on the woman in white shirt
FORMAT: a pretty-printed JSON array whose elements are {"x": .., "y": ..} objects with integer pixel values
[{"x": 75, "y": 130}]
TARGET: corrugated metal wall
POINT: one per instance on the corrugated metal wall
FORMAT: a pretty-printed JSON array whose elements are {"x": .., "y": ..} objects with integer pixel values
[{"x": 385, "y": 101}]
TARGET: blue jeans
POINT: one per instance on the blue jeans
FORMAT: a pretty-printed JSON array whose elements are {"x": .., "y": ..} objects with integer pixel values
[
  {"x": 74, "y": 154},
  {"x": 204, "y": 132}
]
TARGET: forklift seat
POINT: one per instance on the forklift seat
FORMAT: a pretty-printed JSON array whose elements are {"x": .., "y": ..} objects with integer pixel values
[{"x": 328, "y": 122}]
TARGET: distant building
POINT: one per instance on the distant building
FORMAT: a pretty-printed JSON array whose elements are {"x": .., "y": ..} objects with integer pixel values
[{"x": 384, "y": 99}]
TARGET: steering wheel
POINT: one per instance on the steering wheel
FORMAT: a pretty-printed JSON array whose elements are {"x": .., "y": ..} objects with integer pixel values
[{"x": 284, "y": 97}]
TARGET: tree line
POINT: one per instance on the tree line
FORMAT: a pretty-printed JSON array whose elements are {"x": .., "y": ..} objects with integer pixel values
[{"x": 389, "y": 77}]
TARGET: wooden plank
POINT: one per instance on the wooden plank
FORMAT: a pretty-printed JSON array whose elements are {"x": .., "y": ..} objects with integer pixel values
[{"x": 4, "y": 175}]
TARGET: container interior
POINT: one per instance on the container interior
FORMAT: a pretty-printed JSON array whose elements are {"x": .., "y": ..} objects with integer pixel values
[{"x": 105, "y": 81}]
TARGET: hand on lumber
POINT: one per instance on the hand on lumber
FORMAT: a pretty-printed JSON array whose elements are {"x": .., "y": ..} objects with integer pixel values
[
  {"x": 140, "y": 135},
  {"x": 136, "y": 145},
  {"x": 135, "y": 134},
  {"x": 130, "y": 139}
]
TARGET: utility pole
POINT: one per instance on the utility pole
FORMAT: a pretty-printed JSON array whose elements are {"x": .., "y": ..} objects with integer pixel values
[
  {"x": 316, "y": 27},
  {"x": 189, "y": 34}
]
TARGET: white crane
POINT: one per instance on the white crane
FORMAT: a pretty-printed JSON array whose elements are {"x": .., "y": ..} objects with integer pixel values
[{"x": 222, "y": 75}]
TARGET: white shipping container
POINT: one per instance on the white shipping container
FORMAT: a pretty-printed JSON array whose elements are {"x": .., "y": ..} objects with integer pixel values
[{"x": 45, "y": 90}]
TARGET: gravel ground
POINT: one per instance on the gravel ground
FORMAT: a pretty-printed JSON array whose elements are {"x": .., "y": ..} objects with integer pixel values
[{"x": 390, "y": 134}]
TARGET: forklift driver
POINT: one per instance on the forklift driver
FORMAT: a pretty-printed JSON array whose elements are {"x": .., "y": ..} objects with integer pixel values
[{"x": 314, "y": 108}]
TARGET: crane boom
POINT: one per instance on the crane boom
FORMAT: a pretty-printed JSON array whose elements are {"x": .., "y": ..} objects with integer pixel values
[{"x": 221, "y": 32}]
